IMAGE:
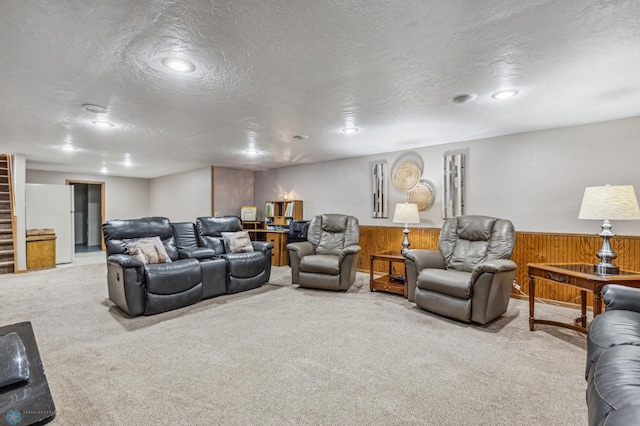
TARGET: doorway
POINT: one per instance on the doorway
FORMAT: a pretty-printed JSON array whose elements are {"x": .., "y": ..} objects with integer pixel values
[{"x": 88, "y": 200}]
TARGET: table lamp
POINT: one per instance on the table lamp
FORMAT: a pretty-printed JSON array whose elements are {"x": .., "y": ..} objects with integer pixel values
[
  {"x": 406, "y": 213},
  {"x": 608, "y": 203}
]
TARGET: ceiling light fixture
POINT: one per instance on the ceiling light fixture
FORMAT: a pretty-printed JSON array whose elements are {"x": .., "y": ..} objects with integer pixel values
[
  {"x": 252, "y": 152},
  {"x": 350, "y": 130},
  {"x": 505, "y": 94},
  {"x": 68, "y": 147},
  {"x": 178, "y": 64},
  {"x": 300, "y": 137},
  {"x": 104, "y": 170},
  {"x": 463, "y": 99},
  {"x": 102, "y": 123},
  {"x": 94, "y": 108}
]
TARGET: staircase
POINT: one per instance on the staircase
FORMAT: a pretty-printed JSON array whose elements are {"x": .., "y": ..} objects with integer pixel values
[{"x": 7, "y": 225}]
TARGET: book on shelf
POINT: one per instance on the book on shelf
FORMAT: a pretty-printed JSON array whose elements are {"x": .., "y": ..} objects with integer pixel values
[
  {"x": 289, "y": 209},
  {"x": 269, "y": 209}
]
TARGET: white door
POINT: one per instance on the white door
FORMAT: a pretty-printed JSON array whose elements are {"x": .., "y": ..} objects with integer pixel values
[{"x": 51, "y": 206}]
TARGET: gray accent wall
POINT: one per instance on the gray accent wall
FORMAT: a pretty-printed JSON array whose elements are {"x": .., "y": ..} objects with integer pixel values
[
  {"x": 232, "y": 190},
  {"x": 535, "y": 179}
]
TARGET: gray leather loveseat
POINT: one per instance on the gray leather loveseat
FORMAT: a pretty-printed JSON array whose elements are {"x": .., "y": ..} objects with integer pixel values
[{"x": 613, "y": 359}]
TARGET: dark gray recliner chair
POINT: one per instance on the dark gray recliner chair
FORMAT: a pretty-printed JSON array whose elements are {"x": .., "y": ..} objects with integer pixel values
[
  {"x": 470, "y": 277},
  {"x": 329, "y": 258},
  {"x": 245, "y": 271}
]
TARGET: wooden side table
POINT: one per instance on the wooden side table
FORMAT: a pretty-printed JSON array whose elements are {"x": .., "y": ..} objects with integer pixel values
[
  {"x": 577, "y": 275},
  {"x": 387, "y": 283}
]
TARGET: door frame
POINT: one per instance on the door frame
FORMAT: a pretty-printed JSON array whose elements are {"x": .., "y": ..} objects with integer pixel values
[{"x": 102, "y": 218}]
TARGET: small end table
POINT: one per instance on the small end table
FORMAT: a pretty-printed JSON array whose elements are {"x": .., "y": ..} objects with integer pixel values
[
  {"x": 386, "y": 283},
  {"x": 578, "y": 275}
]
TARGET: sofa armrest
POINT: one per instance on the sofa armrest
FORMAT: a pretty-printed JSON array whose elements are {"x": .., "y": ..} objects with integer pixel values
[
  {"x": 302, "y": 248},
  {"x": 349, "y": 250},
  {"x": 126, "y": 283},
  {"x": 425, "y": 259},
  {"x": 125, "y": 260},
  {"x": 262, "y": 246},
  {"x": 296, "y": 252},
  {"x": 199, "y": 253},
  {"x": 492, "y": 282},
  {"x": 417, "y": 260},
  {"x": 493, "y": 266},
  {"x": 619, "y": 297}
]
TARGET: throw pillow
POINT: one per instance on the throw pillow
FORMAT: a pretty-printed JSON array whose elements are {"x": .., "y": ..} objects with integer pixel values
[
  {"x": 237, "y": 242},
  {"x": 148, "y": 250}
]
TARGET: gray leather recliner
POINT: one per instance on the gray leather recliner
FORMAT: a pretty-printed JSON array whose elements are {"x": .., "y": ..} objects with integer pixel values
[
  {"x": 329, "y": 258},
  {"x": 470, "y": 277}
]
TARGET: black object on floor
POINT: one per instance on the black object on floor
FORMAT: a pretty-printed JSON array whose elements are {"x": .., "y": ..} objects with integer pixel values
[{"x": 27, "y": 401}]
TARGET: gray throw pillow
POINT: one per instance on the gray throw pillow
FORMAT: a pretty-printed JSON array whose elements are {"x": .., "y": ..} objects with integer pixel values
[{"x": 237, "y": 242}]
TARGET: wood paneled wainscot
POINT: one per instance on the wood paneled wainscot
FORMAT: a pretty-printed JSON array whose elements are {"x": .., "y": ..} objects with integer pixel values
[{"x": 531, "y": 247}]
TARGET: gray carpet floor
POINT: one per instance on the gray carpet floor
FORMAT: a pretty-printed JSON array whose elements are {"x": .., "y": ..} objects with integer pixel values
[{"x": 282, "y": 355}]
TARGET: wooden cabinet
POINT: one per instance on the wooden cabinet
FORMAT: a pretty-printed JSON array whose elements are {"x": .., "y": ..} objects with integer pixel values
[
  {"x": 41, "y": 249},
  {"x": 280, "y": 254},
  {"x": 280, "y": 213}
]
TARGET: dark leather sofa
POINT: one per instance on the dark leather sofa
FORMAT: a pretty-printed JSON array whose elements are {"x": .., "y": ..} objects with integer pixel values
[
  {"x": 244, "y": 270},
  {"x": 613, "y": 359},
  {"x": 194, "y": 272}
]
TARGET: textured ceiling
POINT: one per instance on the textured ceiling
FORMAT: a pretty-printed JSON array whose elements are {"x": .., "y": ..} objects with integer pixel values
[{"x": 267, "y": 70}]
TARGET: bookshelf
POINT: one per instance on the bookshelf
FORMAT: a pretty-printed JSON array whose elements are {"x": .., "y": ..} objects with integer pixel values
[{"x": 280, "y": 213}]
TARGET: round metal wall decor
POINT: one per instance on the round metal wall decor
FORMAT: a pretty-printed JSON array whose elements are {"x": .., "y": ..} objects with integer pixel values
[
  {"x": 422, "y": 194},
  {"x": 405, "y": 175},
  {"x": 406, "y": 171}
]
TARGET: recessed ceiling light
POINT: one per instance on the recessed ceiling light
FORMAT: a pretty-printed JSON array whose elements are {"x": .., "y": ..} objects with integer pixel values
[
  {"x": 94, "y": 108},
  {"x": 463, "y": 99},
  {"x": 505, "y": 94},
  {"x": 300, "y": 137},
  {"x": 178, "y": 64},
  {"x": 104, "y": 170},
  {"x": 252, "y": 152},
  {"x": 102, "y": 123},
  {"x": 68, "y": 147},
  {"x": 350, "y": 130}
]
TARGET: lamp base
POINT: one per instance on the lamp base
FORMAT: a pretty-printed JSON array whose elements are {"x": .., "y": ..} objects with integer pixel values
[
  {"x": 606, "y": 253},
  {"x": 606, "y": 268},
  {"x": 405, "y": 241}
]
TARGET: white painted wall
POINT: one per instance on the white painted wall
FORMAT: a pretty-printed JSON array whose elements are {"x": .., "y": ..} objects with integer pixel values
[
  {"x": 534, "y": 179},
  {"x": 232, "y": 190},
  {"x": 181, "y": 197},
  {"x": 124, "y": 197}
]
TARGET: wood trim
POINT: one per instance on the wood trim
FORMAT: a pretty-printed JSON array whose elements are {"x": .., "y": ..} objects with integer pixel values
[
  {"x": 14, "y": 218},
  {"x": 102, "y": 202},
  {"x": 213, "y": 191},
  {"x": 531, "y": 247}
]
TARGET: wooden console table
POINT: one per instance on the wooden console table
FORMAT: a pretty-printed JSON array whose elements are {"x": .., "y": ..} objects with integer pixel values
[
  {"x": 279, "y": 252},
  {"x": 386, "y": 283},
  {"x": 577, "y": 275}
]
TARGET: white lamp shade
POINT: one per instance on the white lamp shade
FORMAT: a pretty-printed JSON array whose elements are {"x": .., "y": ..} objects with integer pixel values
[
  {"x": 406, "y": 213},
  {"x": 610, "y": 203}
]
